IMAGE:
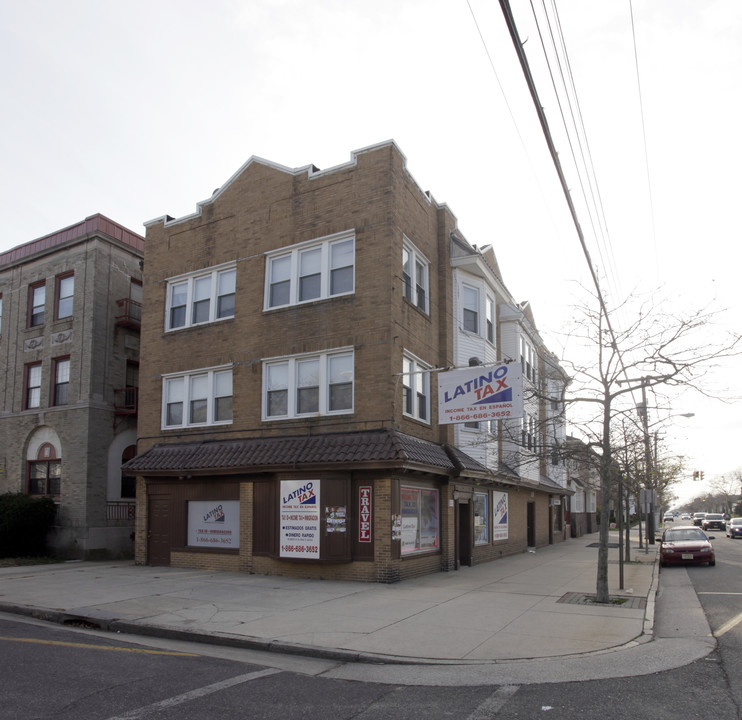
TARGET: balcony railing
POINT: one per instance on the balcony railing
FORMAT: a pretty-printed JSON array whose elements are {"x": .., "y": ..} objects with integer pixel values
[
  {"x": 126, "y": 401},
  {"x": 130, "y": 313},
  {"x": 120, "y": 511}
]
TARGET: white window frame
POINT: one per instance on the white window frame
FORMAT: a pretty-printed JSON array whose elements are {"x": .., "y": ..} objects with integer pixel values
[
  {"x": 467, "y": 306},
  {"x": 482, "y": 529},
  {"x": 490, "y": 331},
  {"x": 291, "y": 259},
  {"x": 213, "y": 377},
  {"x": 188, "y": 284},
  {"x": 291, "y": 368},
  {"x": 415, "y": 276},
  {"x": 528, "y": 360},
  {"x": 415, "y": 386}
]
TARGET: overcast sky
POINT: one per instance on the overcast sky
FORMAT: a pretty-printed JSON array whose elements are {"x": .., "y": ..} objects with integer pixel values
[{"x": 142, "y": 108}]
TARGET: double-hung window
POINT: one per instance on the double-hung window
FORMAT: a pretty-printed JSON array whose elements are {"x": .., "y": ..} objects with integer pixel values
[
  {"x": 490, "y": 320},
  {"x": 200, "y": 298},
  {"x": 36, "y": 303},
  {"x": 415, "y": 276},
  {"x": 32, "y": 389},
  {"x": 65, "y": 296},
  {"x": 202, "y": 397},
  {"x": 470, "y": 304},
  {"x": 61, "y": 375},
  {"x": 481, "y": 518},
  {"x": 318, "y": 384},
  {"x": 416, "y": 388},
  {"x": 312, "y": 271},
  {"x": 528, "y": 360}
]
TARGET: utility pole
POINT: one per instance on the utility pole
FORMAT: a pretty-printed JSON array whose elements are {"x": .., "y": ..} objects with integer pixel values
[{"x": 647, "y": 463}]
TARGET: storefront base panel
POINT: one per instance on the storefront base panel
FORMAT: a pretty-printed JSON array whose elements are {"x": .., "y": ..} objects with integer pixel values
[{"x": 204, "y": 561}]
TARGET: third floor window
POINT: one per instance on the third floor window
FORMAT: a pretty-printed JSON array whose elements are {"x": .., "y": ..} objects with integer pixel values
[
  {"x": 415, "y": 276},
  {"x": 36, "y": 303},
  {"x": 200, "y": 298},
  {"x": 65, "y": 296},
  {"x": 312, "y": 271}
]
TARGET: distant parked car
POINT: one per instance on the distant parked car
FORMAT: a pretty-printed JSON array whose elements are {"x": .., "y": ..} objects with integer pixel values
[
  {"x": 698, "y": 518},
  {"x": 734, "y": 528},
  {"x": 714, "y": 521},
  {"x": 686, "y": 546}
]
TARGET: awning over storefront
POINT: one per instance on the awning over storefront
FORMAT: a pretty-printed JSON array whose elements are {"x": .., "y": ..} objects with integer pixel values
[{"x": 338, "y": 451}]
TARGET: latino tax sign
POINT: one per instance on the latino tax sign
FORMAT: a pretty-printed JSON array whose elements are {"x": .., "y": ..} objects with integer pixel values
[{"x": 482, "y": 392}]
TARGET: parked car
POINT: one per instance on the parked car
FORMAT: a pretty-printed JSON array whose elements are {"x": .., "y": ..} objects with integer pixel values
[
  {"x": 686, "y": 545},
  {"x": 714, "y": 521},
  {"x": 669, "y": 517},
  {"x": 698, "y": 518},
  {"x": 734, "y": 528}
]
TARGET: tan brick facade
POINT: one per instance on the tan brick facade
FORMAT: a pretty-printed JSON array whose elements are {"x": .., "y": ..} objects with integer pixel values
[{"x": 263, "y": 209}]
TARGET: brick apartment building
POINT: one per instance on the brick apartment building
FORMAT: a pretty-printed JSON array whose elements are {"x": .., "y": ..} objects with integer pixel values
[
  {"x": 294, "y": 326},
  {"x": 69, "y": 351}
]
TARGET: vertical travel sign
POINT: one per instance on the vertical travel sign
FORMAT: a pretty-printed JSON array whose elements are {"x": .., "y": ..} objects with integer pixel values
[
  {"x": 364, "y": 513},
  {"x": 300, "y": 518}
]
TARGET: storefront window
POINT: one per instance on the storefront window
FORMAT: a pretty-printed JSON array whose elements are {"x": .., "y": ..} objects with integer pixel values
[
  {"x": 481, "y": 519},
  {"x": 420, "y": 526}
]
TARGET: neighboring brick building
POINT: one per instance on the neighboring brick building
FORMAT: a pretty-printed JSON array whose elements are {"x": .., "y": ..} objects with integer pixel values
[
  {"x": 583, "y": 465},
  {"x": 69, "y": 349},
  {"x": 294, "y": 328}
]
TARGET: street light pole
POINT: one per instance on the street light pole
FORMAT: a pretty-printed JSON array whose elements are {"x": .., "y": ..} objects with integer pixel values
[{"x": 649, "y": 478}]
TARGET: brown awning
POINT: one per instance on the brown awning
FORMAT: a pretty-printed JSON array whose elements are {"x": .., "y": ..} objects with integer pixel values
[{"x": 340, "y": 451}]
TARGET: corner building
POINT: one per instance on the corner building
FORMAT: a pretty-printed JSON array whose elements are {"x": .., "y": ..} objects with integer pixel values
[{"x": 294, "y": 327}]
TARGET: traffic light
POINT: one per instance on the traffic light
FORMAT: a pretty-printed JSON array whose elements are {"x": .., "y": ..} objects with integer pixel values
[
  {"x": 701, "y": 475},
  {"x": 695, "y": 474}
]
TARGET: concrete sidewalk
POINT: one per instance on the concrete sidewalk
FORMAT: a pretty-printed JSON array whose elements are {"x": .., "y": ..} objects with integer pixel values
[{"x": 527, "y": 615}]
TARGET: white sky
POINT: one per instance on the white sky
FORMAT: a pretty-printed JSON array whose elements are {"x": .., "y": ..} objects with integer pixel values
[{"x": 141, "y": 108}]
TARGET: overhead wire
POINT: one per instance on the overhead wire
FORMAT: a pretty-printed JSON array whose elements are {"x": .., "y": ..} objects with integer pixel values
[{"x": 580, "y": 155}]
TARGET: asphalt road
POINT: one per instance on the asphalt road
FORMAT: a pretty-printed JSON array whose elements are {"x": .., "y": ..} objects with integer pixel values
[{"x": 48, "y": 670}]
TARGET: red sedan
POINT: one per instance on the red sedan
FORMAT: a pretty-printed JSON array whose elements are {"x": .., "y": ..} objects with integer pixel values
[{"x": 686, "y": 545}]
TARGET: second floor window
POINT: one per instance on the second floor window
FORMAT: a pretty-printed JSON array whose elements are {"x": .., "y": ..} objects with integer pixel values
[
  {"x": 65, "y": 296},
  {"x": 415, "y": 276},
  {"x": 311, "y": 272},
  {"x": 36, "y": 303},
  {"x": 32, "y": 393},
  {"x": 203, "y": 397},
  {"x": 200, "y": 298},
  {"x": 308, "y": 385},
  {"x": 61, "y": 370}
]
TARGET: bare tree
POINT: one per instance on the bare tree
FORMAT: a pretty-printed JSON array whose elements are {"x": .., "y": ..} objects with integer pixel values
[
  {"x": 726, "y": 488},
  {"x": 627, "y": 353}
]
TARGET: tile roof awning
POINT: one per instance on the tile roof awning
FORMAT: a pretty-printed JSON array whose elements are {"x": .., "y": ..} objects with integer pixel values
[{"x": 340, "y": 451}]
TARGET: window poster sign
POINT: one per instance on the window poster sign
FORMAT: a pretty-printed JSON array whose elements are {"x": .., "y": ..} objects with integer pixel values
[
  {"x": 364, "y": 514},
  {"x": 499, "y": 516},
  {"x": 482, "y": 392},
  {"x": 300, "y": 510},
  {"x": 419, "y": 529},
  {"x": 214, "y": 524},
  {"x": 335, "y": 519}
]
